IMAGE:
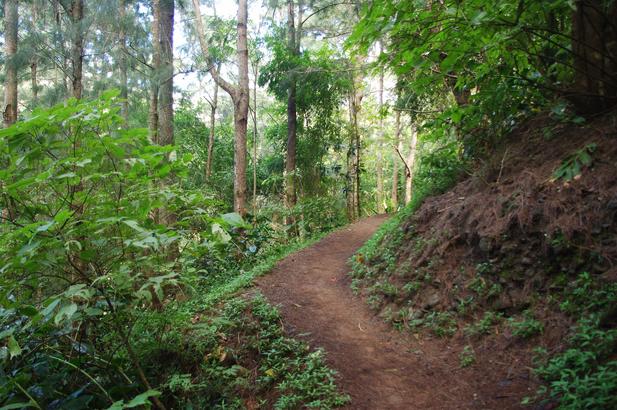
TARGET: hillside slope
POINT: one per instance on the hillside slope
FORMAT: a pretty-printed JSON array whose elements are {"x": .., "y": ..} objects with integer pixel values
[{"x": 516, "y": 264}]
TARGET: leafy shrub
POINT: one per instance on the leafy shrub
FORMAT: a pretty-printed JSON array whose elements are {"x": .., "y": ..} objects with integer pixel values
[
  {"x": 248, "y": 354},
  {"x": 526, "y": 327},
  {"x": 484, "y": 325},
  {"x": 467, "y": 357},
  {"x": 442, "y": 324},
  {"x": 584, "y": 376},
  {"x": 94, "y": 235},
  {"x": 573, "y": 165}
]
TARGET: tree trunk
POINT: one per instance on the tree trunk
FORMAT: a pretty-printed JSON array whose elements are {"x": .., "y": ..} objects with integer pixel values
[
  {"x": 10, "y": 83},
  {"x": 395, "y": 167},
  {"x": 380, "y": 135},
  {"x": 9, "y": 109},
  {"x": 166, "y": 90},
  {"x": 241, "y": 110},
  {"x": 353, "y": 162},
  {"x": 255, "y": 76},
  {"x": 153, "y": 113},
  {"x": 292, "y": 118},
  {"x": 34, "y": 83},
  {"x": 213, "y": 106},
  {"x": 239, "y": 95},
  {"x": 123, "y": 62},
  {"x": 34, "y": 60},
  {"x": 77, "y": 49},
  {"x": 410, "y": 163},
  {"x": 355, "y": 99},
  {"x": 594, "y": 45}
]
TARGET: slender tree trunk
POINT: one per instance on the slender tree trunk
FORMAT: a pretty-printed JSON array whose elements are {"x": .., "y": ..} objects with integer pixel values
[
  {"x": 213, "y": 108},
  {"x": 256, "y": 74},
  {"x": 77, "y": 49},
  {"x": 123, "y": 62},
  {"x": 153, "y": 112},
  {"x": 166, "y": 90},
  {"x": 357, "y": 163},
  {"x": 410, "y": 163},
  {"x": 353, "y": 160},
  {"x": 239, "y": 95},
  {"x": 395, "y": 164},
  {"x": 354, "y": 155},
  {"x": 9, "y": 109},
  {"x": 292, "y": 118},
  {"x": 34, "y": 83},
  {"x": 11, "y": 17},
  {"x": 241, "y": 110},
  {"x": 34, "y": 60},
  {"x": 380, "y": 199}
]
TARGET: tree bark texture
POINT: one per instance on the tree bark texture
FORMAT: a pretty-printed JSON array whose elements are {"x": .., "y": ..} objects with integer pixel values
[
  {"x": 166, "y": 89},
  {"x": 594, "y": 45},
  {"x": 241, "y": 110},
  {"x": 153, "y": 111},
  {"x": 292, "y": 117},
  {"x": 77, "y": 48},
  {"x": 410, "y": 163},
  {"x": 395, "y": 164},
  {"x": 239, "y": 94},
  {"x": 123, "y": 62},
  {"x": 11, "y": 17},
  {"x": 380, "y": 136},
  {"x": 213, "y": 107}
]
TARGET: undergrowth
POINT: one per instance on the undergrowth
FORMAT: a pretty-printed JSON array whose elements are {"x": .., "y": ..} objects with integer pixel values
[
  {"x": 246, "y": 358},
  {"x": 584, "y": 375},
  {"x": 496, "y": 297}
]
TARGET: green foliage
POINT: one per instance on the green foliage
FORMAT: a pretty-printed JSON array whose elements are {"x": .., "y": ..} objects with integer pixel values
[
  {"x": 321, "y": 88},
  {"x": 467, "y": 357},
  {"x": 484, "y": 325},
  {"x": 246, "y": 353},
  {"x": 83, "y": 249},
  {"x": 442, "y": 324},
  {"x": 527, "y": 327},
  {"x": 585, "y": 375},
  {"x": 572, "y": 166},
  {"x": 508, "y": 55},
  {"x": 588, "y": 294},
  {"x": 97, "y": 244}
]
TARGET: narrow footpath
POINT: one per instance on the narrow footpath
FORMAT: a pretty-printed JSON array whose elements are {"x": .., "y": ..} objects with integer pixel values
[{"x": 379, "y": 367}]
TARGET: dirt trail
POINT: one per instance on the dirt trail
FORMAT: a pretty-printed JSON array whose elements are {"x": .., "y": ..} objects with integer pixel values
[{"x": 379, "y": 367}]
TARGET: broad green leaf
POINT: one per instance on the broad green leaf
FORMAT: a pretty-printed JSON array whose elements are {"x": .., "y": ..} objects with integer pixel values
[
  {"x": 50, "y": 307},
  {"x": 65, "y": 312},
  {"x": 221, "y": 234},
  {"x": 234, "y": 219},
  {"x": 142, "y": 399},
  {"x": 14, "y": 349},
  {"x": 13, "y": 406},
  {"x": 117, "y": 405}
]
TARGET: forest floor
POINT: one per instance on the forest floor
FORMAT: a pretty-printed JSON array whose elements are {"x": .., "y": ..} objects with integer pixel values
[{"x": 379, "y": 367}]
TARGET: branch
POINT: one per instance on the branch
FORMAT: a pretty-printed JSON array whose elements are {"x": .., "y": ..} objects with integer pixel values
[
  {"x": 322, "y": 9},
  {"x": 231, "y": 89},
  {"x": 402, "y": 159}
]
